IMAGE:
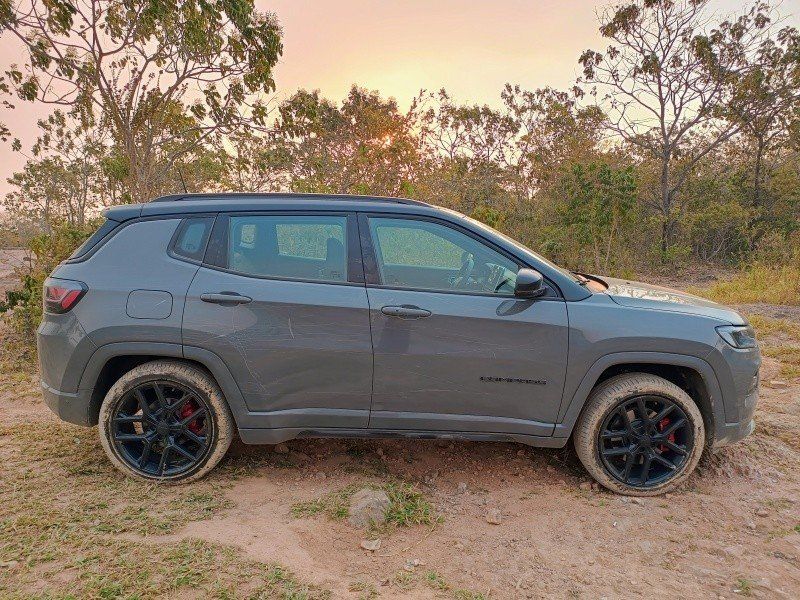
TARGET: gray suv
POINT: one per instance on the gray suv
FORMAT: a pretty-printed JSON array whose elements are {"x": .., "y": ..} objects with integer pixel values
[{"x": 277, "y": 316}]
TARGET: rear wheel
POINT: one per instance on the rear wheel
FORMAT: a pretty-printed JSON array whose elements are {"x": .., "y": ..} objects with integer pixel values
[
  {"x": 165, "y": 421},
  {"x": 639, "y": 435}
]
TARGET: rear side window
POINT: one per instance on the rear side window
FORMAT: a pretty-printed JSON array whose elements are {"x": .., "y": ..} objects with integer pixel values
[
  {"x": 192, "y": 237},
  {"x": 93, "y": 239},
  {"x": 311, "y": 248}
]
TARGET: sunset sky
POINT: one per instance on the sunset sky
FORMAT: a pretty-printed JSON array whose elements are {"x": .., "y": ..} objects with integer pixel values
[{"x": 469, "y": 47}]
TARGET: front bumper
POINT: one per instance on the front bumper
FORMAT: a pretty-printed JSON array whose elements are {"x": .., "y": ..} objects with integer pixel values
[
  {"x": 70, "y": 407},
  {"x": 738, "y": 430}
]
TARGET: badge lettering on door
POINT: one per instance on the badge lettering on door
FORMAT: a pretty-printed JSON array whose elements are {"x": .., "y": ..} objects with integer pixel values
[{"x": 515, "y": 380}]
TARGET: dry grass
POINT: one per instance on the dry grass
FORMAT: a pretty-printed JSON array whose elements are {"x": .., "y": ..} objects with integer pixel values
[
  {"x": 767, "y": 327},
  {"x": 72, "y": 527},
  {"x": 772, "y": 285},
  {"x": 788, "y": 356}
]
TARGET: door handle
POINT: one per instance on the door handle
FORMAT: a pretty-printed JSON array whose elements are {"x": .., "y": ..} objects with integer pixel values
[
  {"x": 406, "y": 312},
  {"x": 225, "y": 298}
]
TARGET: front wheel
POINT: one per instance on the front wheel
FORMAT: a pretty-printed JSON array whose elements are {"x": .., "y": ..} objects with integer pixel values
[
  {"x": 639, "y": 435},
  {"x": 165, "y": 421}
]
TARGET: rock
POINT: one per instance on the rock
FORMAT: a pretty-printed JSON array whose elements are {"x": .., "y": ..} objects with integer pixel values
[
  {"x": 638, "y": 501},
  {"x": 750, "y": 525},
  {"x": 493, "y": 516},
  {"x": 762, "y": 512},
  {"x": 380, "y": 452},
  {"x": 521, "y": 453},
  {"x": 281, "y": 449},
  {"x": 412, "y": 564},
  {"x": 370, "y": 545},
  {"x": 586, "y": 486},
  {"x": 298, "y": 458},
  {"x": 9, "y": 564},
  {"x": 368, "y": 506},
  {"x": 320, "y": 475},
  {"x": 778, "y": 384},
  {"x": 462, "y": 487}
]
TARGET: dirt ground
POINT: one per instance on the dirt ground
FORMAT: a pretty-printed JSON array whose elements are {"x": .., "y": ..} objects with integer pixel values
[{"x": 733, "y": 530}]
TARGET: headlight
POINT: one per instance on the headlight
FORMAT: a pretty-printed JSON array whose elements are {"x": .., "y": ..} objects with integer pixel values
[{"x": 738, "y": 336}]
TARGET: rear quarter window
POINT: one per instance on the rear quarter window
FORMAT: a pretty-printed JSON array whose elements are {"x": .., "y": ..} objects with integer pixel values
[
  {"x": 191, "y": 238},
  {"x": 86, "y": 247}
]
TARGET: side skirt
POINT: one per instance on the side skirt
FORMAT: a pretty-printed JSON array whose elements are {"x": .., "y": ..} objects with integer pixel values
[{"x": 276, "y": 436}]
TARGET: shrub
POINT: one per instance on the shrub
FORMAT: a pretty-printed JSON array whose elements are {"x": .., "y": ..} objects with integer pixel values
[{"x": 24, "y": 304}]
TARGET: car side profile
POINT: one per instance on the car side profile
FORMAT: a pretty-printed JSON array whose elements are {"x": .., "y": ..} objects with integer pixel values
[{"x": 189, "y": 319}]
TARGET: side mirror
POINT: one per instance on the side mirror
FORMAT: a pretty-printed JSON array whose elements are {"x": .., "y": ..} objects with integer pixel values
[{"x": 530, "y": 284}]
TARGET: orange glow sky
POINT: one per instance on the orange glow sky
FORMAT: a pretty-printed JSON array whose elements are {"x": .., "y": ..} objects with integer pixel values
[{"x": 470, "y": 47}]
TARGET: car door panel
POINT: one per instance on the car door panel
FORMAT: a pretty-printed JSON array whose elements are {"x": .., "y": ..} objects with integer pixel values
[
  {"x": 476, "y": 359},
  {"x": 299, "y": 351},
  {"x": 477, "y": 363}
]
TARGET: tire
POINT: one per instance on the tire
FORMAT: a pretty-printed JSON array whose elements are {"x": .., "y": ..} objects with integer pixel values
[
  {"x": 624, "y": 459},
  {"x": 142, "y": 427}
]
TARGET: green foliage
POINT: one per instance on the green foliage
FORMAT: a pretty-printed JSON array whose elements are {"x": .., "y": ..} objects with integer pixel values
[
  {"x": 598, "y": 205},
  {"x": 46, "y": 252}
]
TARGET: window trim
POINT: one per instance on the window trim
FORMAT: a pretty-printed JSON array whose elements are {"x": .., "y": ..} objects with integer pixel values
[
  {"x": 372, "y": 271},
  {"x": 216, "y": 256}
]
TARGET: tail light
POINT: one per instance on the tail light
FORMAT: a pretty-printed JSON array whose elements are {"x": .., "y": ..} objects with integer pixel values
[{"x": 60, "y": 295}]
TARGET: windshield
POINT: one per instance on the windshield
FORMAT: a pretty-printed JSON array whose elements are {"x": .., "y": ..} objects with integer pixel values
[{"x": 516, "y": 244}]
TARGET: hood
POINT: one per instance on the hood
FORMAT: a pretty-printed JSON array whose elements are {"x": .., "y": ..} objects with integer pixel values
[{"x": 643, "y": 295}]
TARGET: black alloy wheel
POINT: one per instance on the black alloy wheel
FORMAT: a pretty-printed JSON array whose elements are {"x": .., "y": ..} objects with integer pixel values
[
  {"x": 645, "y": 440},
  {"x": 162, "y": 429}
]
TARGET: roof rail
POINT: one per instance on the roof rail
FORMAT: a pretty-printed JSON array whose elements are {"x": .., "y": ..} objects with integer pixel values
[{"x": 289, "y": 196}]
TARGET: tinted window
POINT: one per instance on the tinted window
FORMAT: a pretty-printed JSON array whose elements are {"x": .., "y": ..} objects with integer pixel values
[
  {"x": 295, "y": 247},
  {"x": 192, "y": 237},
  {"x": 425, "y": 255}
]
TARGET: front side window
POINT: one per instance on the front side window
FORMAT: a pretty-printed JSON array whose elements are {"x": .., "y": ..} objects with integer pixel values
[
  {"x": 425, "y": 255},
  {"x": 293, "y": 247}
]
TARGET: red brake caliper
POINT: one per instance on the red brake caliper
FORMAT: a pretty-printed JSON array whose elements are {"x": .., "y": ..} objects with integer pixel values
[
  {"x": 187, "y": 411},
  {"x": 662, "y": 425}
]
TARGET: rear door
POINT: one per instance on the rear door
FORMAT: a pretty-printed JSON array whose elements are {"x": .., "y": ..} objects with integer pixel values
[
  {"x": 454, "y": 349},
  {"x": 281, "y": 300}
]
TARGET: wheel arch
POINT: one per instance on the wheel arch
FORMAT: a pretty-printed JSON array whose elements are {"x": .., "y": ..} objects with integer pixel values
[
  {"x": 690, "y": 373},
  {"x": 111, "y": 361}
]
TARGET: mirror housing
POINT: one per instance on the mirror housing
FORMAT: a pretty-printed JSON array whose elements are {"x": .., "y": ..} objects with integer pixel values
[{"x": 530, "y": 284}]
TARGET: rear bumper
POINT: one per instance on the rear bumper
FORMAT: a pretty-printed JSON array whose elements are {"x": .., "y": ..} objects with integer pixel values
[{"x": 70, "y": 407}]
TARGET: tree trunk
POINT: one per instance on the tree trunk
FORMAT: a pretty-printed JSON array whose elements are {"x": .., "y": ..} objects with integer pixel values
[
  {"x": 666, "y": 204},
  {"x": 757, "y": 172}
]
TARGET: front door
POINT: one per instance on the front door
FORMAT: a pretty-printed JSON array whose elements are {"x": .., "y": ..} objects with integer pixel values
[
  {"x": 282, "y": 305},
  {"x": 454, "y": 349}
]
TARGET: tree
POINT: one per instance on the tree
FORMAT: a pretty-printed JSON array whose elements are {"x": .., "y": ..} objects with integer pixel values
[
  {"x": 766, "y": 102},
  {"x": 665, "y": 78},
  {"x": 364, "y": 147},
  {"x": 598, "y": 202},
  {"x": 551, "y": 129},
  {"x": 164, "y": 77},
  {"x": 257, "y": 163},
  {"x": 63, "y": 179}
]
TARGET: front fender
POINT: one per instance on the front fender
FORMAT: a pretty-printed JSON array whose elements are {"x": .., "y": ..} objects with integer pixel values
[{"x": 571, "y": 409}]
